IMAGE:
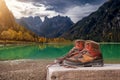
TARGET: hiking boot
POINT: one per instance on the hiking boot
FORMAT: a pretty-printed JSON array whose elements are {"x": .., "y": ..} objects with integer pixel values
[
  {"x": 90, "y": 56},
  {"x": 79, "y": 46}
]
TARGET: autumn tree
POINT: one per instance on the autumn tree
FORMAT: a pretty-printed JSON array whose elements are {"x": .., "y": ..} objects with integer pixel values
[
  {"x": 42, "y": 40},
  {"x": 5, "y": 35},
  {"x": 19, "y": 36},
  {"x": 27, "y": 37}
]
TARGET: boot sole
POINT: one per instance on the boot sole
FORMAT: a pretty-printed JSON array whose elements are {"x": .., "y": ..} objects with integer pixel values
[{"x": 95, "y": 63}]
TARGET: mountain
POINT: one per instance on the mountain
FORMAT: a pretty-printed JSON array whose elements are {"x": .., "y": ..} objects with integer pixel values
[
  {"x": 50, "y": 27},
  {"x": 6, "y": 17},
  {"x": 31, "y": 23},
  {"x": 102, "y": 25},
  {"x": 55, "y": 26},
  {"x": 9, "y": 29}
]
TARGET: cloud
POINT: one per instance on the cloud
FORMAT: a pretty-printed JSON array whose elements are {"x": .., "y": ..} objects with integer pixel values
[
  {"x": 22, "y": 9},
  {"x": 75, "y": 9},
  {"x": 78, "y": 12},
  {"x": 60, "y": 5}
]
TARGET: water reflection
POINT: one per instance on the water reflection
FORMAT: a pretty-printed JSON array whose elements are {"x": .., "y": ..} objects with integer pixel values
[
  {"x": 111, "y": 52},
  {"x": 42, "y": 51}
]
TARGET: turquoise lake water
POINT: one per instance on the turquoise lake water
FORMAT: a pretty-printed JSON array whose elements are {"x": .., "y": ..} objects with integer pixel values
[{"x": 111, "y": 52}]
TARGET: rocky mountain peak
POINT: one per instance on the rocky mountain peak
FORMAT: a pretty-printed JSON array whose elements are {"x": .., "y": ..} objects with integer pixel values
[{"x": 50, "y": 27}]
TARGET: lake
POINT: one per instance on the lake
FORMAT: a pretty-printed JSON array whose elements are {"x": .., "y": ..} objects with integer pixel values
[{"x": 111, "y": 52}]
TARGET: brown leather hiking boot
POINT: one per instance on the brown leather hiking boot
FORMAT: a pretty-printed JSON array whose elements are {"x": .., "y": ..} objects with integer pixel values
[
  {"x": 79, "y": 46},
  {"x": 90, "y": 56}
]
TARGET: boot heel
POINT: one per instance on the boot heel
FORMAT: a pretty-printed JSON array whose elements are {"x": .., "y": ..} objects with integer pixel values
[{"x": 98, "y": 63}]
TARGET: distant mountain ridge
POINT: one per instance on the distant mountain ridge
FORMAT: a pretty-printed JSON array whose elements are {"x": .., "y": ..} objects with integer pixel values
[
  {"x": 50, "y": 27},
  {"x": 102, "y": 25},
  {"x": 31, "y": 23}
]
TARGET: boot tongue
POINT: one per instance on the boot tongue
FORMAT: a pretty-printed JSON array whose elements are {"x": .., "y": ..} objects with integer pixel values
[
  {"x": 94, "y": 53},
  {"x": 79, "y": 48}
]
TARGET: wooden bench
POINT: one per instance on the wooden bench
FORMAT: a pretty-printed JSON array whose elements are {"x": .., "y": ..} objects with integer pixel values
[{"x": 108, "y": 72}]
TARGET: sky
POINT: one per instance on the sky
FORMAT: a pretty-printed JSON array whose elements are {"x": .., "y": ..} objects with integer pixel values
[{"x": 75, "y": 9}]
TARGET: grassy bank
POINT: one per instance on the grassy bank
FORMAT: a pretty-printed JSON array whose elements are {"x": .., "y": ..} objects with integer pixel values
[{"x": 2, "y": 42}]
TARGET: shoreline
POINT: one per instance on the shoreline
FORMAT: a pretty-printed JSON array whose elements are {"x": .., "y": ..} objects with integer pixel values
[
  {"x": 28, "y": 42},
  {"x": 2, "y": 42},
  {"x": 51, "y": 60}
]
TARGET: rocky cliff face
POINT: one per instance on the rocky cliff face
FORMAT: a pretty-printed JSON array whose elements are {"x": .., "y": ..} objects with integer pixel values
[
  {"x": 9, "y": 29},
  {"x": 50, "y": 27},
  {"x": 102, "y": 25},
  {"x": 6, "y": 17}
]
